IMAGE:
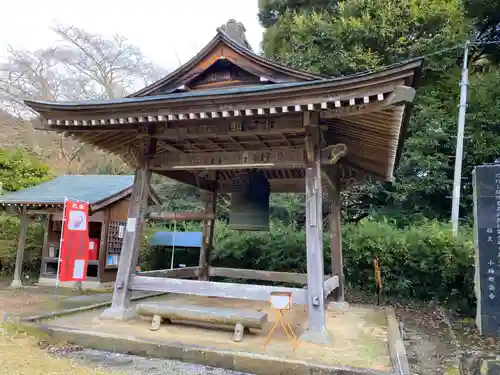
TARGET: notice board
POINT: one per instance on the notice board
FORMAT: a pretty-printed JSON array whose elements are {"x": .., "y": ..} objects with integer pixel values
[{"x": 486, "y": 183}]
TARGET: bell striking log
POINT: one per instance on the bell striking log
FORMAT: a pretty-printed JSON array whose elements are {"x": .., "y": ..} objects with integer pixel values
[{"x": 250, "y": 202}]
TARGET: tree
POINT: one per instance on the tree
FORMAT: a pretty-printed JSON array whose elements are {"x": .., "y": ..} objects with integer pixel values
[
  {"x": 81, "y": 66},
  {"x": 360, "y": 35},
  {"x": 19, "y": 170},
  {"x": 486, "y": 17},
  {"x": 271, "y": 10},
  {"x": 106, "y": 68}
]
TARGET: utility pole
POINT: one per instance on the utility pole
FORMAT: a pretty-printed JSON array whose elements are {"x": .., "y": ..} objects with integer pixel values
[{"x": 457, "y": 180}]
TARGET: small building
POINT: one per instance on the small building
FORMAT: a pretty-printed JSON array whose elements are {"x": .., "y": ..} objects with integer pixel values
[
  {"x": 177, "y": 239},
  {"x": 109, "y": 199},
  {"x": 181, "y": 249}
]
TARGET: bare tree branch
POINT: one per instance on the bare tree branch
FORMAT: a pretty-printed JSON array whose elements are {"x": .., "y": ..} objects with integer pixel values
[{"x": 81, "y": 66}]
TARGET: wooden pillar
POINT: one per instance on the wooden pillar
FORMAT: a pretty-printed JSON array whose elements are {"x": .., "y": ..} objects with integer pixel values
[
  {"x": 23, "y": 228},
  {"x": 47, "y": 227},
  {"x": 336, "y": 245},
  {"x": 120, "y": 308},
  {"x": 208, "y": 236},
  {"x": 316, "y": 331},
  {"x": 103, "y": 244}
]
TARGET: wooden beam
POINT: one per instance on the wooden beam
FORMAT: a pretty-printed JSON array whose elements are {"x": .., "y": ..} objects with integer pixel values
[
  {"x": 214, "y": 289},
  {"x": 330, "y": 285},
  {"x": 208, "y": 234},
  {"x": 203, "y": 314},
  {"x": 23, "y": 228},
  {"x": 238, "y": 273},
  {"x": 181, "y": 216},
  {"x": 243, "y": 127},
  {"x": 178, "y": 273},
  {"x": 286, "y": 158},
  {"x": 45, "y": 211},
  {"x": 189, "y": 178}
]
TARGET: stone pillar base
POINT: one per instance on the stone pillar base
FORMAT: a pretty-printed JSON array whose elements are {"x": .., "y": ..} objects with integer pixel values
[
  {"x": 112, "y": 313},
  {"x": 323, "y": 337},
  {"x": 16, "y": 284}
]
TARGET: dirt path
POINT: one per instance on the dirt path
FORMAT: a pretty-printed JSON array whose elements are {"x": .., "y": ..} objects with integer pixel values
[{"x": 429, "y": 347}]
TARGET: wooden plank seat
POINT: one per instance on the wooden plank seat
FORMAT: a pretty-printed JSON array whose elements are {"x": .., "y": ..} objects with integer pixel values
[{"x": 242, "y": 320}]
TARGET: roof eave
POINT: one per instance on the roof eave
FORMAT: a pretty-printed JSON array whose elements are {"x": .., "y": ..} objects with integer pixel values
[
  {"x": 407, "y": 114},
  {"x": 303, "y": 89},
  {"x": 96, "y": 206}
]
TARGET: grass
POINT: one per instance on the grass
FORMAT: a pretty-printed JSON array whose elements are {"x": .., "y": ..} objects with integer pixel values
[{"x": 21, "y": 355}]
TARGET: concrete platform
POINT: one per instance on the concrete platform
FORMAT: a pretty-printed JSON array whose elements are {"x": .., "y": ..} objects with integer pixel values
[{"x": 365, "y": 340}]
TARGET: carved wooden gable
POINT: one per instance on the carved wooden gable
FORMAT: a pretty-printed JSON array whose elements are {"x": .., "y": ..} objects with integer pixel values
[
  {"x": 223, "y": 62},
  {"x": 223, "y": 73}
]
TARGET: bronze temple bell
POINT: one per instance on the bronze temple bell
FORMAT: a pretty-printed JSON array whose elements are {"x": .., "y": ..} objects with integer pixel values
[{"x": 250, "y": 192}]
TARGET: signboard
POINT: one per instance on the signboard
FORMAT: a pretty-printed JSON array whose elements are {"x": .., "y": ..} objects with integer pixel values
[
  {"x": 487, "y": 229},
  {"x": 74, "y": 254}
]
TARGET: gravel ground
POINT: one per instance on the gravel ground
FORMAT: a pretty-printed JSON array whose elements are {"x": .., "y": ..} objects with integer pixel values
[{"x": 135, "y": 365}]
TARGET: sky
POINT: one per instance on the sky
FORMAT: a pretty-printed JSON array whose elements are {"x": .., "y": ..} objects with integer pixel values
[{"x": 166, "y": 31}]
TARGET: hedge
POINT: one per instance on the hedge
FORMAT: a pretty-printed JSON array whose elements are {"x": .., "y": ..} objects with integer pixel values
[
  {"x": 419, "y": 262},
  {"x": 9, "y": 232}
]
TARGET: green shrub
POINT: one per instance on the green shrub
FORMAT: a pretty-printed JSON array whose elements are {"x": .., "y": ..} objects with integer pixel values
[
  {"x": 418, "y": 262},
  {"x": 9, "y": 233},
  {"x": 19, "y": 170},
  {"x": 423, "y": 262}
]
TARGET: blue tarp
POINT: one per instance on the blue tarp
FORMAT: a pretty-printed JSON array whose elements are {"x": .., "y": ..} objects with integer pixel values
[{"x": 182, "y": 239}]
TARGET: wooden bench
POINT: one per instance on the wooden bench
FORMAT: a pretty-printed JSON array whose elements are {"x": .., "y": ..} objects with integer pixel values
[{"x": 242, "y": 320}]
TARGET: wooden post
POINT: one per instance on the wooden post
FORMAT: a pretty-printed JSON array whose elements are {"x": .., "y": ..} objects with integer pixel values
[
  {"x": 120, "y": 308},
  {"x": 23, "y": 228},
  {"x": 316, "y": 331},
  {"x": 47, "y": 227},
  {"x": 208, "y": 236},
  {"x": 336, "y": 245},
  {"x": 103, "y": 243}
]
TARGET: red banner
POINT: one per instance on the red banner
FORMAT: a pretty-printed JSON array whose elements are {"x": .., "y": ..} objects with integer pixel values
[{"x": 74, "y": 253}]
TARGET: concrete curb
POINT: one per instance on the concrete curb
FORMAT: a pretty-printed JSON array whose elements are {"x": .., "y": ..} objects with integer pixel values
[
  {"x": 396, "y": 346},
  {"x": 238, "y": 361},
  {"x": 82, "y": 308}
]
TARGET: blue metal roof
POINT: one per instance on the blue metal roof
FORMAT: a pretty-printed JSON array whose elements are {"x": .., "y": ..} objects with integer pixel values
[
  {"x": 86, "y": 188},
  {"x": 180, "y": 239}
]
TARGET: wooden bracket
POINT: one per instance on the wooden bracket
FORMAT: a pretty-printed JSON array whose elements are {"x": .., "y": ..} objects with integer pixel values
[
  {"x": 333, "y": 153},
  {"x": 331, "y": 171}
]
